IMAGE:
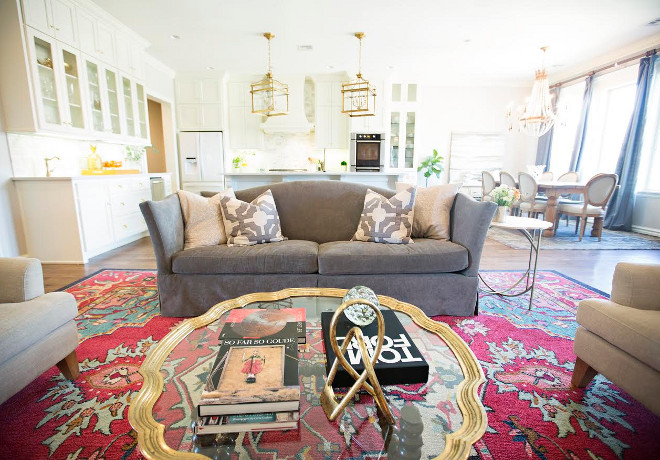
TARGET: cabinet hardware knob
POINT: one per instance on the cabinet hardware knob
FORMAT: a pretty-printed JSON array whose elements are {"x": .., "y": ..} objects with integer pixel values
[
  {"x": 123, "y": 204},
  {"x": 57, "y": 28},
  {"x": 125, "y": 226}
]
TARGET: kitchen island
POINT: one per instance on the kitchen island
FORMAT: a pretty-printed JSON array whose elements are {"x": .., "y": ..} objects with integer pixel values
[{"x": 240, "y": 180}]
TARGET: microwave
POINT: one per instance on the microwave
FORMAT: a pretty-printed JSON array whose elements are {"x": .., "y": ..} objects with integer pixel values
[{"x": 367, "y": 151}]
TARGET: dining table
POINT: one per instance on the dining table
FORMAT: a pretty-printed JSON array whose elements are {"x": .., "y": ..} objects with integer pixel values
[{"x": 553, "y": 190}]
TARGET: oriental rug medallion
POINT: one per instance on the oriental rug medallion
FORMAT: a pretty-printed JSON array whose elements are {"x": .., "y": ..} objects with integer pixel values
[{"x": 526, "y": 356}]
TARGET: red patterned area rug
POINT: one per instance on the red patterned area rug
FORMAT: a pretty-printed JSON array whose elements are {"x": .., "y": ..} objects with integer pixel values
[{"x": 526, "y": 356}]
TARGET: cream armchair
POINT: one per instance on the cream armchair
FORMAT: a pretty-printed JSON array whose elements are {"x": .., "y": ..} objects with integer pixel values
[
  {"x": 37, "y": 330},
  {"x": 620, "y": 338}
]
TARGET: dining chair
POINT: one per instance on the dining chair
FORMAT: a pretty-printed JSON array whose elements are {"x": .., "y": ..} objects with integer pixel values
[
  {"x": 571, "y": 176},
  {"x": 597, "y": 194},
  {"x": 528, "y": 191},
  {"x": 487, "y": 185},
  {"x": 508, "y": 180},
  {"x": 546, "y": 176}
]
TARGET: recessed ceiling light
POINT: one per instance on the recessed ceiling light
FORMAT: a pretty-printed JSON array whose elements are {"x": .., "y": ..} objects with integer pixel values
[
  {"x": 390, "y": 67},
  {"x": 467, "y": 40},
  {"x": 210, "y": 68},
  {"x": 174, "y": 37},
  {"x": 305, "y": 47},
  {"x": 331, "y": 67},
  {"x": 655, "y": 22}
]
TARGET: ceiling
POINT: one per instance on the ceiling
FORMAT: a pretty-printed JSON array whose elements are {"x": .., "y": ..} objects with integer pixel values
[{"x": 446, "y": 42}]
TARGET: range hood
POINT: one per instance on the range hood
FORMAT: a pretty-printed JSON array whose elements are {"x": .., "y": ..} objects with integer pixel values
[{"x": 295, "y": 122}]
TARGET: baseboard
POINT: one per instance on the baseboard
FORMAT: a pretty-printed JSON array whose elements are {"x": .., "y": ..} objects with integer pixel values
[{"x": 646, "y": 230}]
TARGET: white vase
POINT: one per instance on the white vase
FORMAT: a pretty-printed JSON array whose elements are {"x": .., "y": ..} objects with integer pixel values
[{"x": 500, "y": 214}]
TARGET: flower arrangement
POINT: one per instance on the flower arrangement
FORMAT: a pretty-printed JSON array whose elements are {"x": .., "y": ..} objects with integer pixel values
[
  {"x": 505, "y": 195},
  {"x": 135, "y": 152},
  {"x": 240, "y": 161}
]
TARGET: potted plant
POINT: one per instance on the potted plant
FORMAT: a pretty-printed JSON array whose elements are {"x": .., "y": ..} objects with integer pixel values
[
  {"x": 504, "y": 196},
  {"x": 432, "y": 165},
  {"x": 344, "y": 166}
]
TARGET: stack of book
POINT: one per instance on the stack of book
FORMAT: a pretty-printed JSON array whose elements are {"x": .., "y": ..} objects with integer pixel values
[{"x": 253, "y": 384}]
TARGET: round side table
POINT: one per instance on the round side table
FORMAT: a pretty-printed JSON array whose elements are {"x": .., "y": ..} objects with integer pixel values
[{"x": 532, "y": 229}]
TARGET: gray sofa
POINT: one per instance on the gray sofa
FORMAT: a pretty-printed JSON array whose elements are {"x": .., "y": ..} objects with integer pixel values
[{"x": 319, "y": 218}]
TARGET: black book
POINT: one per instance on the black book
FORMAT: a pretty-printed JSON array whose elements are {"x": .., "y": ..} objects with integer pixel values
[
  {"x": 401, "y": 363},
  {"x": 254, "y": 375}
]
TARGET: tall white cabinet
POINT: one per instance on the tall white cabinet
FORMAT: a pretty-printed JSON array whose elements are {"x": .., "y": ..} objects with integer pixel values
[{"x": 331, "y": 125}]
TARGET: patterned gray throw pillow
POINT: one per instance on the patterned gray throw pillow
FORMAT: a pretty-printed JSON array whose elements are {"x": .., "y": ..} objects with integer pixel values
[
  {"x": 387, "y": 221},
  {"x": 251, "y": 223}
]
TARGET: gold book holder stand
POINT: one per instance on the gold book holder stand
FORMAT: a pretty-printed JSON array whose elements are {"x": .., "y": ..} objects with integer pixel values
[{"x": 331, "y": 405}]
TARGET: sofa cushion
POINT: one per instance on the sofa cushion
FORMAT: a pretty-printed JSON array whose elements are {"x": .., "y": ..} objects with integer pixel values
[
  {"x": 386, "y": 220},
  {"x": 432, "y": 210},
  {"x": 26, "y": 323},
  {"x": 251, "y": 223},
  {"x": 360, "y": 257},
  {"x": 291, "y": 256},
  {"x": 202, "y": 219},
  {"x": 632, "y": 330}
]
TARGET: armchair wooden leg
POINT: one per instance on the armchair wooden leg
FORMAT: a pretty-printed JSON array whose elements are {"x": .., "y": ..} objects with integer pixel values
[
  {"x": 577, "y": 223},
  {"x": 583, "y": 226},
  {"x": 597, "y": 229},
  {"x": 582, "y": 374},
  {"x": 69, "y": 366}
]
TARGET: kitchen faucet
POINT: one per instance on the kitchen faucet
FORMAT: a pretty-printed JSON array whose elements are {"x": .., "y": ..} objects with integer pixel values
[{"x": 48, "y": 170}]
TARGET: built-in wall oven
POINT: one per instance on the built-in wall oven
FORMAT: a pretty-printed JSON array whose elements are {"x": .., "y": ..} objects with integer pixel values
[{"x": 367, "y": 151}]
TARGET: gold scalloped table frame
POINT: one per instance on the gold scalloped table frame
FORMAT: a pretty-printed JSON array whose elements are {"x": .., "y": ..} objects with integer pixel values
[{"x": 150, "y": 433}]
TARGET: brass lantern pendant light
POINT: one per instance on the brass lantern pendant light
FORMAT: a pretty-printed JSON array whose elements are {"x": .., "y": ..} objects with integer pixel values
[
  {"x": 269, "y": 96},
  {"x": 358, "y": 95}
]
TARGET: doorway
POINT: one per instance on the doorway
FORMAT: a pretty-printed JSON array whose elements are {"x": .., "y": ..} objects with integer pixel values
[{"x": 156, "y": 151}]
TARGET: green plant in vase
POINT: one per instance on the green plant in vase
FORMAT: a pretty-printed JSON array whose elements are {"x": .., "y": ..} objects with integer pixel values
[{"x": 432, "y": 165}]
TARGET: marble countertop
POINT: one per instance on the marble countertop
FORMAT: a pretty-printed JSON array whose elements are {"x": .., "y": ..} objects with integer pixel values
[
  {"x": 68, "y": 178},
  {"x": 317, "y": 173}
]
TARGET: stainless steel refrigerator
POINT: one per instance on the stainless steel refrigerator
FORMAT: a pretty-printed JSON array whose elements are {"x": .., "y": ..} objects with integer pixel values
[{"x": 201, "y": 158}]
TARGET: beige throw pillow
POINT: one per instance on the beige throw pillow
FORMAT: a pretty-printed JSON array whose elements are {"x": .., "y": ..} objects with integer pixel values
[
  {"x": 202, "y": 219},
  {"x": 387, "y": 221},
  {"x": 251, "y": 223},
  {"x": 432, "y": 210}
]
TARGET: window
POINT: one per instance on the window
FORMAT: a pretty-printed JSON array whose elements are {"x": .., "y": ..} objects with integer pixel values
[
  {"x": 569, "y": 106},
  {"x": 612, "y": 104},
  {"x": 648, "y": 178}
]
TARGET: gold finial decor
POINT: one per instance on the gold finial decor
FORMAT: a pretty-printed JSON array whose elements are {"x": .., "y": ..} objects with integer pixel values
[
  {"x": 358, "y": 95},
  {"x": 269, "y": 96},
  {"x": 537, "y": 116},
  {"x": 333, "y": 407}
]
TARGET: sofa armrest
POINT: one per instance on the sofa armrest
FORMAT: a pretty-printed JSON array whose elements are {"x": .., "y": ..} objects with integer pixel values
[
  {"x": 470, "y": 220},
  {"x": 165, "y": 223},
  {"x": 636, "y": 285},
  {"x": 21, "y": 279}
]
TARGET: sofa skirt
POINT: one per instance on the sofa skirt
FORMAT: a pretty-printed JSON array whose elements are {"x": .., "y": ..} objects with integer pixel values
[{"x": 436, "y": 294}]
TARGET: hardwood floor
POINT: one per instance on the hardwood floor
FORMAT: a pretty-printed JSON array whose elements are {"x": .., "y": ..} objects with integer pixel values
[{"x": 594, "y": 268}]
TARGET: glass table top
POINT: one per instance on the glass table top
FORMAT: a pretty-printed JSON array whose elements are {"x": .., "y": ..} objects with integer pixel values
[{"x": 447, "y": 403}]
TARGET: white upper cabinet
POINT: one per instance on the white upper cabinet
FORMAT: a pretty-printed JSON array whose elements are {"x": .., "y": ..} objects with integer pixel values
[
  {"x": 244, "y": 126},
  {"x": 199, "y": 103},
  {"x": 56, "y": 18},
  {"x": 331, "y": 126},
  {"x": 402, "y": 125},
  {"x": 96, "y": 38}
]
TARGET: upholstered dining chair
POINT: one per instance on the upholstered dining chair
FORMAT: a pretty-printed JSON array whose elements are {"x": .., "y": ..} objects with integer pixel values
[
  {"x": 546, "y": 176},
  {"x": 508, "y": 180},
  {"x": 487, "y": 185},
  {"x": 571, "y": 176},
  {"x": 528, "y": 191},
  {"x": 597, "y": 194}
]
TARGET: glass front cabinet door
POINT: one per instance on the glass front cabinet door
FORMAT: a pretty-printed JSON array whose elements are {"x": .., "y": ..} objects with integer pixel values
[
  {"x": 402, "y": 126},
  {"x": 129, "y": 106},
  {"x": 58, "y": 92}
]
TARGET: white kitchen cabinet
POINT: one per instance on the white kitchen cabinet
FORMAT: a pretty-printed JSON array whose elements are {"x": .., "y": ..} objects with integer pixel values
[
  {"x": 103, "y": 100},
  {"x": 85, "y": 216},
  {"x": 56, "y": 18},
  {"x": 96, "y": 38},
  {"x": 134, "y": 103},
  {"x": 331, "y": 126},
  {"x": 244, "y": 126},
  {"x": 56, "y": 70},
  {"x": 199, "y": 103},
  {"x": 403, "y": 120}
]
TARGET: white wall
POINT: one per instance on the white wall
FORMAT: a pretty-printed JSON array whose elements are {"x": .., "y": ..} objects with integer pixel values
[
  {"x": 12, "y": 241},
  {"x": 646, "y": 215},
  {"x": 470, "y": 109}
]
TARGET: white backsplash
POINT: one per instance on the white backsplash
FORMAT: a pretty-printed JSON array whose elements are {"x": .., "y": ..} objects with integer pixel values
[
  {"x": 289, "y": 151},
  {"x": 28, "y": 152}
]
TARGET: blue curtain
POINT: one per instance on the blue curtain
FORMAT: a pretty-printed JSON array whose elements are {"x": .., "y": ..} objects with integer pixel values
[
  {"x": 580, "y": 134},
  {"x": 620, "y": 211},
  {"x": 544, "y": 146}
]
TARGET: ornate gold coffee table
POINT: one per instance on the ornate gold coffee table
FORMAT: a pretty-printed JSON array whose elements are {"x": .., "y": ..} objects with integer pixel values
[{"x": 175, "y": 370}]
